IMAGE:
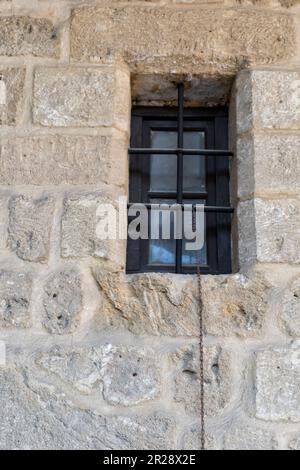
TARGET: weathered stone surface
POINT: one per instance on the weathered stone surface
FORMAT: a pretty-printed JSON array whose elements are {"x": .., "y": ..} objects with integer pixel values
[
  {"x": 268, "y": 163},
  {"x": 79, "y": 236},
  {"x": 295, "y": 445},
  {"x": 62, "y": 301},
  {"x": 15, "y": 295},
  {"x": 123, "y": 375},
  {"x": 11, "y": 94},
  {"x": 192, "y": 440},
  {"x": 217, "y": 377},
  {"x": 148, "y": 303},
  {"x": 278, "y": 385},
  {"x": 33, "y": 417},
  {"x": 30, "y": 223},
  {"x": 57, "y": 159},
  {"x": 268, "y": 100},
  {"x": 24, "y": 35},
  {"x": 82, "y": 97},
  {"x": 234, "y": 305},
  {"x": 269, "y": 231},
  {"x": 245, "y": 437},
  {"x": 223, "y": 39},
  {"x": 290, "y": 308}
]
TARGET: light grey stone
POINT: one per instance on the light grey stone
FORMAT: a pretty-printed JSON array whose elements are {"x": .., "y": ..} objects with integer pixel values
[
  {"x": 11, "y": 94},
  {"x": 124, "y": 375},
  {"x": 245, "y": 437},
  {"x": 15, "y": 296},
  {"x": 62, "y": 301},
  {"x": 217, "y": 380},
  {"x": 30, "y": 223},
  {"x": 268, "y": 100},
  {"x": 295, "y": 444},
  {"x": 268, "y": 163},
  {"x": 79, "y": 236},
  {"x": 56, "y": 159},
  {"x": 82, "y": 97},
  {"x": 192, "y": 440},
  {"x": 269, "y": 231},
  {"x": 290, "y": 308},
  {"x": 278, "y": 385},
  {"x": 24, "y": 35}
]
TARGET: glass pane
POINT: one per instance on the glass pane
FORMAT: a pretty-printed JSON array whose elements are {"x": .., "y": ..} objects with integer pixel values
[
  {"x": 163, "y": 168},
  {"x": 192, "y": 257},
  {"x": 194, "y": 165}
]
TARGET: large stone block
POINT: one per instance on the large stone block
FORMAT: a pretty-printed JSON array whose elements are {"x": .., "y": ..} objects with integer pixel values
[
  {"x": 24, "y": 35},
  {"x": 268, "y": 99},
  {"x": 217, "y": 380},
  {"x": 180, "y": 39},
  {"x": 33, "y": 417},
  {"x": 56, "y": 159},
  {"x": 15, "y": 296},
  {"x": 278, "y": 385},
  {"x": 269, "y": 231},
  {"x": 63, "y": 301},
  {"x": 11, "y": 94},
  {"x": 82, "y": 97},
  {"x": 290, "y": 308},
  {"x": 268, "y": 163},
  {"x": 79, "y": 235},
  {"x": 30, "y": 223},
  {"x": 122, "y": 375},
  {"x": 246, "y": 437}
]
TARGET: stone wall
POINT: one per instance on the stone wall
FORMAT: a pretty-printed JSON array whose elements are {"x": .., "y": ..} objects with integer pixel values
[{"x": 96, "y": 359}]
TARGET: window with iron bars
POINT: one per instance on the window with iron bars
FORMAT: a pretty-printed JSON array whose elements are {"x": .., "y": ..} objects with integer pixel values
[{"x": 180, "y": 156}]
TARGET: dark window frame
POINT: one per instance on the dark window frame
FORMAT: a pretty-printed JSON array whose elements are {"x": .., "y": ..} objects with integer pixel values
[{"x": 215, "y": 123}]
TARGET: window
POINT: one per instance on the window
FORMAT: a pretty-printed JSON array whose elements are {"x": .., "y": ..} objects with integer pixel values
[{"x": 169, "y": 174}]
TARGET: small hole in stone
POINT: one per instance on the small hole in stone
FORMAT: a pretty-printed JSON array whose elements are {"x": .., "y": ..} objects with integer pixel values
[
  {"x": 134, "y": 374},
  {"x": 59, "y": 317},
  {"x": 54, "y": 296},
  {"x": 120, "y": 356}
]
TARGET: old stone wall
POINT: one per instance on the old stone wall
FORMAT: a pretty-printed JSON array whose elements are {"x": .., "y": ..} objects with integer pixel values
[{"x": 96, "y": 359}]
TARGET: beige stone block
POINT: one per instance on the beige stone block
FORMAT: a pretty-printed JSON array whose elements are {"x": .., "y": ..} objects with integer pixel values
[
  {"x": 25, "y": 35},
  {"x": 181, "y": 38},
  {"x": 268, "y": 164},
  {"x": 61, "y": 159},
  {"x": 11, "y": 95},
  {"x": 82, "y": 97}
]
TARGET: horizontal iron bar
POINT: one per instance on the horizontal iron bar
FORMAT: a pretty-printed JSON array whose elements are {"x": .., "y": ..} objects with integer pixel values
[
  {"x": 173, "y": 195},
  {"x": 219, "y": 209},
  {"x": 148, "y": 151}
]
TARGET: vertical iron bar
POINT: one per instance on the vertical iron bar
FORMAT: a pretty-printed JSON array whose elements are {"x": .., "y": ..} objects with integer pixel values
[{"x": 180, "y": 170}]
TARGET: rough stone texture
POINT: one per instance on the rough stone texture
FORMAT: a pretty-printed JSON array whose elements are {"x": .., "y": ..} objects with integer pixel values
[
  {"x": 33, "y": 417},
  {"x": 82, "y": 97},
  {"x": 268, "y": 100},
  {"x": 295, "y": 445},
  {"x": 79, "y": 237},
  {"x": 268, "y": 163},
  {"x": 57, "y": 159},
  {"x": 30, "y": 223},
  {"x": 278, "y": 385},
  {"x": 217, "y": 377},
  {"x": 290, "y": 308},
  {"x": 28, "y": 36},
  {"x": 123, "y": 375},
  {"x": 11, "y": 94},
  {"x": 15, "y": 296},
  {"x": 269, "y": 231},
  {"x": 145, "y": 37},
  {"x": 245, "y": 437},
  {"x": 192, "y": 440},
  {"x": 62, "y": 301}
]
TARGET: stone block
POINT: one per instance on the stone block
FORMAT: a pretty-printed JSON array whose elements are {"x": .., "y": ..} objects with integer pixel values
[
  {"x": 268, "y": 164},
  {"x": 30, "y": 223},
  {"x": 11, "y": 94},
  {"x": 269, "y": 231},
  {"x": 295, "y": 444},
  {"x": 223, "y": 40},
  {"x": 278, "y": 385},
  {"x": 268, "y": 99},
  {"x": 57, "y": 159},
  {"x": 63, "y": 301},
  {"x": 290, "y": 308},
  {"x": 217, "y": 378},
  {"x": 25, "y": 35},
  {"x": 82, "y": 97},
  {"x": 247, "y": 437},
  {"x": 15, "y": 296}
]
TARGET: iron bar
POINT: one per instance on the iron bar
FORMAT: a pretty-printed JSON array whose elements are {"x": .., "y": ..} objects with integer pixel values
[
  {"x": 180, "y": 170},
  {"x": 218, "y": 209},
  {"x": 208, "y": 152}
]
